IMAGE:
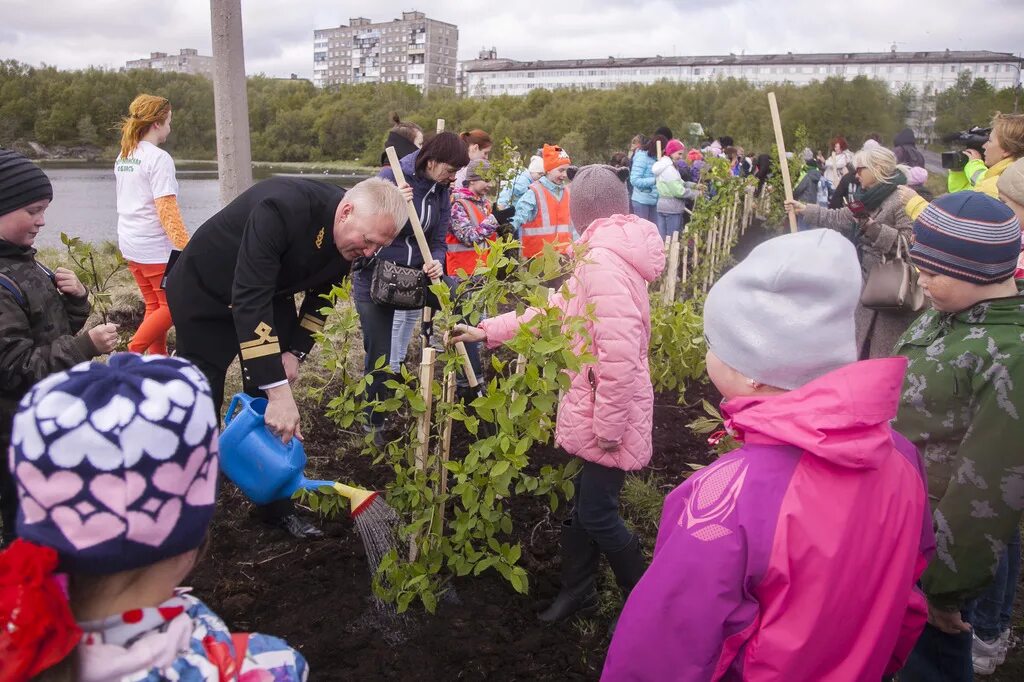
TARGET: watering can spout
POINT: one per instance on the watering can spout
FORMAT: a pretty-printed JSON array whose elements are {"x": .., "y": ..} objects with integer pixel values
[{"x": 359, "y": 499}]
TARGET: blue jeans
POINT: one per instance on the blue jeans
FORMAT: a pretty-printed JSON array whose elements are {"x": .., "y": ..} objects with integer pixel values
[
  {"x": 645, "y": 211},
  {"x": 938, "y": 657},
  {"x": 990, "y": 614},
  {"x": 403, "y": 328},
  {"x": 669, "y": 224},
  {"x": 596, "y": 506}
]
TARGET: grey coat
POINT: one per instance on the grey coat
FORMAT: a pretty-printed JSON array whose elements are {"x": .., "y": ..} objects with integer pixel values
[{"x": 877, "y": 332}]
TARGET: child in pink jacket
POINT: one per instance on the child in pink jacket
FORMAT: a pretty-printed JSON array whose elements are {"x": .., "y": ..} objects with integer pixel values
[
  {"x": 794, "y": 557},
  {"x": 606, "y": 416}
]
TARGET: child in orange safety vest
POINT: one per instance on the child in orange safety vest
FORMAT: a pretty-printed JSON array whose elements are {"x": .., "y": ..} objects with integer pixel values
[
  {"x": 542, "y": 214},
  {"x": 472, "y": 221}
]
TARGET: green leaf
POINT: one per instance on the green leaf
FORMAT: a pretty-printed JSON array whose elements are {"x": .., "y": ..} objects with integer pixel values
[{"x": 499, "y": 469}]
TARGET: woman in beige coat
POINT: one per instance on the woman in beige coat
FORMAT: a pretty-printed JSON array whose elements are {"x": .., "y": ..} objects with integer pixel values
[{"x": 876, "y": 229}]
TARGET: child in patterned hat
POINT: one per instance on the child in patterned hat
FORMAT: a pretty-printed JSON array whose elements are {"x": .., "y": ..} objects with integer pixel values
[
  {"x": 116, "y": 471},
  {"x": 961, "y": 406}
]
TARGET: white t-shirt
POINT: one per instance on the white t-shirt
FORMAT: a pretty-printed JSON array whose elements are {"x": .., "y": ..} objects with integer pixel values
[{"x": 143, "y": 177}]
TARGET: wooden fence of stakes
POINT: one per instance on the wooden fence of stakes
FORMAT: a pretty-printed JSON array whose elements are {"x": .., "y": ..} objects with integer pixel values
[
  {"x": 724, "y": 230},
  {"x": 787, "y": 184}
]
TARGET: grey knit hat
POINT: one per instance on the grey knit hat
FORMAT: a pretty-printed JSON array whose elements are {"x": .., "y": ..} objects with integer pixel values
[
  {"x": 474, "y": 169},
  {"x": 21, "y": 182},
  {"x": 784, "y": 315},
  {"x": 597, "y": 191}
]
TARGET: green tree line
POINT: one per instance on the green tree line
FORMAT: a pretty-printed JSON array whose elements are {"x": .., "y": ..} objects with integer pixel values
[{"x": 291, "y": 120}]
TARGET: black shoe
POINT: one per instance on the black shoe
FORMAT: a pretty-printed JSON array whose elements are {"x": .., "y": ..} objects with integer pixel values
[
  {"x": 379, "y": 441},
  {"x": 578, "y": 595},
  {"x": 298, "y": 527},
  {"x": 628, "y": 564}
]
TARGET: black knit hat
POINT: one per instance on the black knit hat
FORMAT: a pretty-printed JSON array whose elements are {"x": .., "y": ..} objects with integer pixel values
[{"x": 21, "y": 182}]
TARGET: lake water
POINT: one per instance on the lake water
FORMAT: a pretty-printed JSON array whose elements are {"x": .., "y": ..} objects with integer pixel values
[{"x": 85, "y": 200}]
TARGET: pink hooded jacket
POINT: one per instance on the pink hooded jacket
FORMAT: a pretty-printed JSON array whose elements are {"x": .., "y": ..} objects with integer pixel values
[
  {"x": 796, "y": 556},
  {"x": 612, "y": 399}
]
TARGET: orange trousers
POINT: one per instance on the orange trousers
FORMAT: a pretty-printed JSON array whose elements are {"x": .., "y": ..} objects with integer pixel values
[{"x": 151, "y": 336}]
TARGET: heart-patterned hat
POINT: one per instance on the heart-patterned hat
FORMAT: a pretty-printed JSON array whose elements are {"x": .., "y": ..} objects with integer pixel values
[{"x": 116, "y": 464}]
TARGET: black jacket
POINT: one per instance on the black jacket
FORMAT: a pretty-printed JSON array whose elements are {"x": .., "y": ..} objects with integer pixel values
[
  {"x": 275, "y": 239},
  {"x": 905, "y": 149},
  {"x": 403, "y": 147}
]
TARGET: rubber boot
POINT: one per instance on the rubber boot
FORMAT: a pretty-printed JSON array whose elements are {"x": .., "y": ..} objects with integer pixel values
[
  {"x": 628, "y": 564},
  {"x": 580, "y": 558}
]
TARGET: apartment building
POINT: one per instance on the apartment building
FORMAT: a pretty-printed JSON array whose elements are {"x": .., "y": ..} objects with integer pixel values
[
  {"x": 413, "y": 49},
  {"x": 187, "y": 60}
]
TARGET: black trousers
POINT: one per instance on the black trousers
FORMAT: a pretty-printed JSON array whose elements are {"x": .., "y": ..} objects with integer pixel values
[
  {"x": 8, "y": 490},
  {"x": 205, "y": 336}
]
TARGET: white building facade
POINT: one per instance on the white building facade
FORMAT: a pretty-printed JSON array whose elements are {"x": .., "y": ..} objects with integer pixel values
[
  {"x": 932, "y": 71},
  {"x": 413, "y": 49}
]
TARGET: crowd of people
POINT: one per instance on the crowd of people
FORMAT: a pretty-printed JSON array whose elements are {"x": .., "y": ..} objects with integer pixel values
[{"x": 867, "y": 525}]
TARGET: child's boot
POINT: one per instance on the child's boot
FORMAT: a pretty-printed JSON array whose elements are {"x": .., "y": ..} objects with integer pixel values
[{"x": 580, "y": 558}]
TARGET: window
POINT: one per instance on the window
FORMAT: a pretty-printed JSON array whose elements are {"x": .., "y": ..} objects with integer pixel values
[
  {"x": 696, "y": 71},
  {"x": 986, "y": 68}
]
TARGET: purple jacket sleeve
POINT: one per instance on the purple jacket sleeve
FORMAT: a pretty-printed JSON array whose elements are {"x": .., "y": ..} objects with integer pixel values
[{"x": 694, "y": 609}]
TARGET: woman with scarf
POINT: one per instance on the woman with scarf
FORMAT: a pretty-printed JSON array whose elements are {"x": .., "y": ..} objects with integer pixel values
[{"x": 877, "y": 229}]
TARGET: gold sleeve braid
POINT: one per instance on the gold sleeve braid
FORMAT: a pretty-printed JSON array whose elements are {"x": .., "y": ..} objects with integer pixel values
[{"x": 170, "y": 218}]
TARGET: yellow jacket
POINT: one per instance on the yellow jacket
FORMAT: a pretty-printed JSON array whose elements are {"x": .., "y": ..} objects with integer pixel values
[{"x": 986, "y": 183}]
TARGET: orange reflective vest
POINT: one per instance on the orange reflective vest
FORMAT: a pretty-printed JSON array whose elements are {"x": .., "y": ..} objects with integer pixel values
[
  {"x": 551, "y": 224},
  {"x": 460, "y": 256}
]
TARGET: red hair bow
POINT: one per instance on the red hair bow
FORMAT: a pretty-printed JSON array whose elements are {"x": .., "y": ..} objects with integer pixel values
[{"x": 37, "y": 628}]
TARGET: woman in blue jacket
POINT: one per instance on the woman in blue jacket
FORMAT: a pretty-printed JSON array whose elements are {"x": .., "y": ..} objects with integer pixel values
[
  {"x": 644, "y": 200},
  {"x": 430, "y": 171}
]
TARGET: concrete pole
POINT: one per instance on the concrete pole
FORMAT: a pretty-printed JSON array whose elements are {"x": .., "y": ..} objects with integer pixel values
[{"x": 231, "y": 103}]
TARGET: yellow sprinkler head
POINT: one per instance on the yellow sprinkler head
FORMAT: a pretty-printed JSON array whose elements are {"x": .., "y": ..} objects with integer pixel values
[{"x": 359, "y": 499}]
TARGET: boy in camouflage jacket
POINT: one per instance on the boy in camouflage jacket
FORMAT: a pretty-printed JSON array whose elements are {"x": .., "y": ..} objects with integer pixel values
[
  {"x": 40, "y": 311},
  {"x": 961, "y": 405}
]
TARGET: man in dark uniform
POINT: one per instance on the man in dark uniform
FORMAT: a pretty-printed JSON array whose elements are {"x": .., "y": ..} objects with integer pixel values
[{"x": 231, "y": 291}]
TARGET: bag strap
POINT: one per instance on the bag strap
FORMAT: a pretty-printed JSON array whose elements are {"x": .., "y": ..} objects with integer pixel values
[{"x": 12, "y": 286}]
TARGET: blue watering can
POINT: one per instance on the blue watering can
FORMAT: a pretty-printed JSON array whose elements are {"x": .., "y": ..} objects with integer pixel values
[{"x": 263, "y": 467}]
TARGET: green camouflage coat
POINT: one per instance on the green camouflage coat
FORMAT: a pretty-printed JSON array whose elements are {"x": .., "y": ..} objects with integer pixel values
[
  {"x": 961, "y": 405},
  {"x": 37, "y": 328}
]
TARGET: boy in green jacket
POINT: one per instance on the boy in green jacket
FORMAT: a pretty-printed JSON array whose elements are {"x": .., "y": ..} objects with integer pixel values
[
  {"x": 41, "y": 311},
  {"x": 961, "y": 406}
]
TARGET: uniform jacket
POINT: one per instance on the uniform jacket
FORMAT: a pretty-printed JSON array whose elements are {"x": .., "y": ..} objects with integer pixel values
[
  {"x": 472, "y": 224},
  {"x": 877, "y": 331},
  {"x": 641, "y": 177},
  {"x": 794, "y": 557},
  {"x": 184, "y": 640},
  {"x": 274, "y": 240},
  {"x": 613, "y": 398},
  {"x": 526, "y": 207},
  {"x": 38, "y": 327},
  {"x": 434, "y": 208},
  {"x": 961, "y": 405}
]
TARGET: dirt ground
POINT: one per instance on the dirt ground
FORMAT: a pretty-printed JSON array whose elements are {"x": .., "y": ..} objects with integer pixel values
[{"x": 316, "y": 594}]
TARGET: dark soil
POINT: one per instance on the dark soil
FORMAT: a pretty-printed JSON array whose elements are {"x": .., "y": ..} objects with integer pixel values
[{"x": 316, "y": 594}]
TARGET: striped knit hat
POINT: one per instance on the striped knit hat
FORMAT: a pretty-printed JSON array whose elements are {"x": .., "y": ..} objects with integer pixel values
[
  {"x": 968, "y": 236},
  {"x": 21, "y": 182}
]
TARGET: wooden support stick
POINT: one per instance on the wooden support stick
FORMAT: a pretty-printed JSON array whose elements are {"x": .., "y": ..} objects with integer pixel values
[
  {"x": 685, "y": 245},
  {"x": 421, "y": 241},
  {"x": 423, "y": 423},
  {"x": 440, "y": 125},
  {"x": 446, "y": 450},
  {"x": 672, "y": 270},
  {"x": 787, "y": 184},
  {"x": 657, "y": 146}
]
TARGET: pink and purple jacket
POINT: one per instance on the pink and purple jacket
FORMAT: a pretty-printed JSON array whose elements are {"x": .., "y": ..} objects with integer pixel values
[
  {"x": 612, "y": 399},
  {"x": 794, "y": 557}
]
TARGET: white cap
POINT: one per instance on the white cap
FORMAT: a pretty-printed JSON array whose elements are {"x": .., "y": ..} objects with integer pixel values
[{"x": 536, "y": 165}]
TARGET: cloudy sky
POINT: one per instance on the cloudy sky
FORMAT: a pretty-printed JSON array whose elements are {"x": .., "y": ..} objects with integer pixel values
[{"x": 279, "y": 33}]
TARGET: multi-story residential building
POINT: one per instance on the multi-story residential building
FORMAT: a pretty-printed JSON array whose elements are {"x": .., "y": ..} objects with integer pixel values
[
  {"x": 187, "y": 60},
  {"x": 926, "y": 72},
  {"x": 413, "y": 49}
]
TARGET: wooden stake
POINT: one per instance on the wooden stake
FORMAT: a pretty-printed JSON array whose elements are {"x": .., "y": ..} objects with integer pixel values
[
  {"x": 657, "y": 146},
  {"x": 787, "y": 184},
  {"x": 440, "y": 125},
  {"x": 671, "y": 270},
  {"x": 423, "y": 423},
  {"x": 421, "y": 241},
  {"x": 446, "y": 449},
  {"x": 686, "y": 255}
]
